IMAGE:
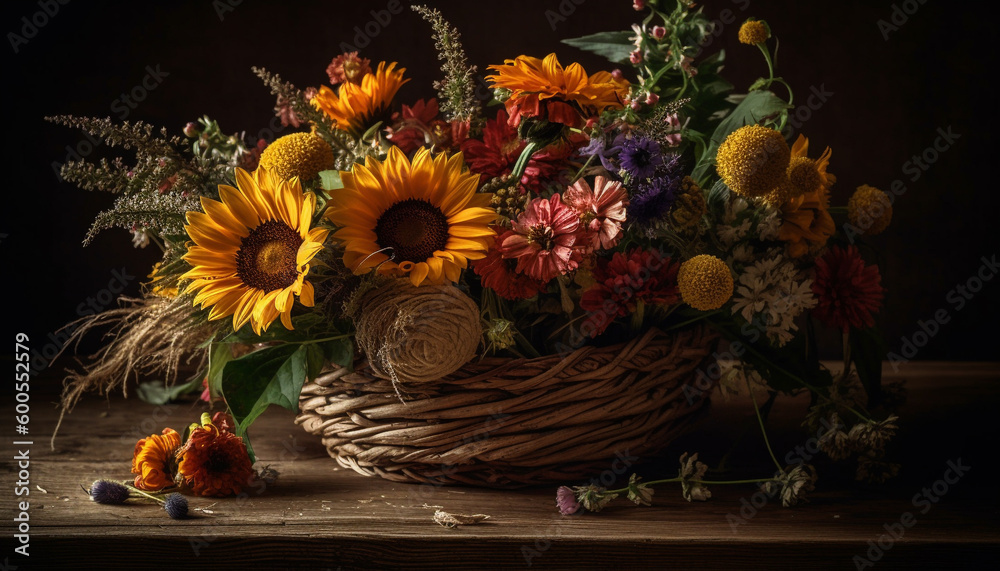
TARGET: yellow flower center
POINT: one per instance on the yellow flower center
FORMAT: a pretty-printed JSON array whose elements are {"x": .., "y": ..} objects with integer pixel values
[
  {"x": 414, "y": 229},
  {"x": 266, "y": 258}
]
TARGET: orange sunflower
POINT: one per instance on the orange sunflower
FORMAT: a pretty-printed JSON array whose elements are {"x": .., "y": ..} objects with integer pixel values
[
  {"x": 251, "y": 251},
  {"x": 214, "y": 462},
  {"x": 422, "y": 219},
  {"x": 153, "y": 460},
  {"x": 544, "y": 89},
  {"x": 806, "y": 224},
  {"x": 358, "y": 106}
]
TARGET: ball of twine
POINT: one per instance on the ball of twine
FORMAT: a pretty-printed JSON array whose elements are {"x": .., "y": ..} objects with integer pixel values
[{"x": 417, "y": 334}]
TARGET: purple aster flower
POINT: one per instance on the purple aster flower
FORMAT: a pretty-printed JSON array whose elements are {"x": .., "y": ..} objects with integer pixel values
[
  {"x": 654, "y": 198},
  {"x": 566, "y": 501},
  {"x": 640, "y": 157}
]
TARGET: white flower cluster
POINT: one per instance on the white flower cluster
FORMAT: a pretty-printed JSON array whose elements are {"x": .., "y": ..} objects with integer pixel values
[{"x": 770, "y": 290}]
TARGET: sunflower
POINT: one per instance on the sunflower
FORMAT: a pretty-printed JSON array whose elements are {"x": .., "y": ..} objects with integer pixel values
[
  {"x": 544, "y": 89},
  {"x": 423, "y": 220},
  {"x": 251, "y": 251},
  {"x": 806, "y": 223},
  {"x": 357, "y": 106}
]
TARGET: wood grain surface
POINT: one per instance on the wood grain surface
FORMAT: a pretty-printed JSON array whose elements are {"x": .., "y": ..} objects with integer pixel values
[{"x": 318, "y": 516}]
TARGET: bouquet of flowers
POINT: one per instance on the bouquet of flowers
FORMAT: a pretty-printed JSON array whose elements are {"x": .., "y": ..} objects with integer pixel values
[{"x": 608, "y": 225}]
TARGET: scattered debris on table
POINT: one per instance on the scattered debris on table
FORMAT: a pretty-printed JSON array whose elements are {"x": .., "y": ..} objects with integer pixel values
[{"x": 446, "y": 519}]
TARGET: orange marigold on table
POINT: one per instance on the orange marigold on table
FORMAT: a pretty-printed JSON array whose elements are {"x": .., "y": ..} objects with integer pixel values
[
  {"x": 546, "y": 90},
  {"x": 153, "y": 460},
  {"x": 214, "y": 462}
]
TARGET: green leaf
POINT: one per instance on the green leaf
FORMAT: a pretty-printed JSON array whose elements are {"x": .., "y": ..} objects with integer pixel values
[
  {"x": 339, "y": 351},
  {"x": 218, "y": 356},
  {"x": 868, "y": 348},
  {"x": 615, "y": 46},
  {"x": 269, "y": 376},
  {"x": 154, "y": 392},
  {"x": 754, "y": 107},
  {"x": 330, "y": 180}
]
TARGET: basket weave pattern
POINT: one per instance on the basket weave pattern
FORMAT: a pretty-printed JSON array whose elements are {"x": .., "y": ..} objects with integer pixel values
[{"x": 508, "y": 422}]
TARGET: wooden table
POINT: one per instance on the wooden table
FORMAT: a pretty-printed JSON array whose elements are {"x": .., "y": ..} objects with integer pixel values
[{"x": 322, "y": 517}]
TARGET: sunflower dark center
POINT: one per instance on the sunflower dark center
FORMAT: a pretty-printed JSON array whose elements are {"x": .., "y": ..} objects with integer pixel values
[
  {"x": 414, "y": 229},
  {"x": 266, "y": 258}
]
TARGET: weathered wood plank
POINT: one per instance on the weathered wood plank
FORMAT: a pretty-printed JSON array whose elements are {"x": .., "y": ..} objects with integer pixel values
[{"x": 320, "y": 516}]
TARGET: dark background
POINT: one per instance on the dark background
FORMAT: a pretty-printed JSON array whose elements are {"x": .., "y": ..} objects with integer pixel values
[{"x": 890, "y": 96}]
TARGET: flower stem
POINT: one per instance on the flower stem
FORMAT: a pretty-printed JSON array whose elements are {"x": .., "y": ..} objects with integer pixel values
[
  {"x": 760, "y": 420},
  {"x": 522, "y": 161}
]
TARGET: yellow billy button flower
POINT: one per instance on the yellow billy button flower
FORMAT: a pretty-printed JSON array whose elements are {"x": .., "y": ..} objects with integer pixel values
[
  {"x": 753, "y": 160},
  {"x": 754, "y": 32},
  {"x": 869, "y": 210},
  {"x": 705, "y": 282},
  {"x": 303, "y": 155}
]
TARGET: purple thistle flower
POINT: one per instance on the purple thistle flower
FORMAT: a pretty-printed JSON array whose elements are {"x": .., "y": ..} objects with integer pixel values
[
  {"x": 566, "y": 501},
  {"x": 176, "y": 506},
  {"x": 655, "y": 197},
  {"x": 108, "y": 492},
  {"x": 640, "y": 157}
]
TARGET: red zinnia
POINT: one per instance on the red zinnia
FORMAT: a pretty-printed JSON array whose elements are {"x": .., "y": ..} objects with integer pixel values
[
  {"x": 498, "y": 274},
  {"x": 421, "y": 125},
  {"x": 500, "y": 148},
  {"x": 642, "y": 276},
  {"x": 848, "y": 291}
]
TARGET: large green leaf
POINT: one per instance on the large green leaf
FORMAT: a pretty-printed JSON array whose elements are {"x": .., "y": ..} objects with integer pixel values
[
  {"x": 615, "y": 46},
  {"x": 754, "y": 107},
  {"x": 868, "y": 348},
  {"x": 269, "y": 376},
  {"x": 218, "y": 356}
]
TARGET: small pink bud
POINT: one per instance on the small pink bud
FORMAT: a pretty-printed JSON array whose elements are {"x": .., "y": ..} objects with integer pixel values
[
  {"x": 659, "y": 32},
  {"x": 635, "y": 57},
  {"x": 616, "y": 74},
  {"x": 673, "y": 139},
  {"x": 652, "y": 98},
  {"x": 638, "y": 5},
  {"x": 636, "y": 105},
  {"x": 191, "y": 130},
  {"x": 673, "y": 120}
]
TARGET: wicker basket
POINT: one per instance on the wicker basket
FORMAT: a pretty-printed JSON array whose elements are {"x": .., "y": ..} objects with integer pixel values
[{"x": 512, "y": 422}]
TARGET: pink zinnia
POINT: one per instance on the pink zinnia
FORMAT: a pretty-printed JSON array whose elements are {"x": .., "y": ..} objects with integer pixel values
[
  {"x": 601, "y": 210},
  {"x": 848, "y": 292},
  {"x": 544, "y": 239},
  {"x": 348, "y": 67}
]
